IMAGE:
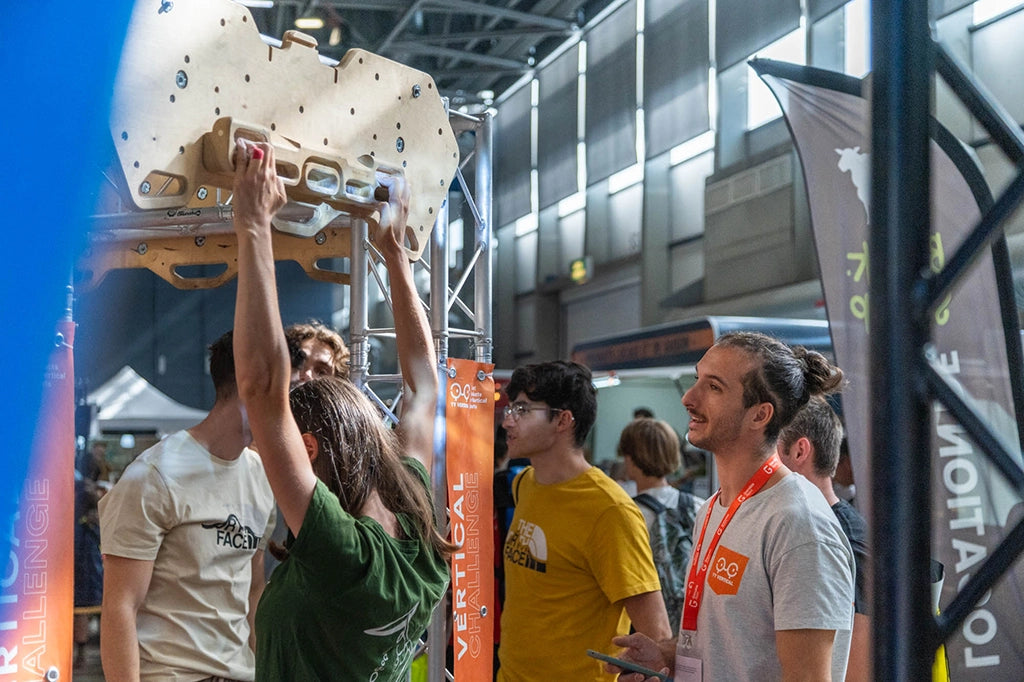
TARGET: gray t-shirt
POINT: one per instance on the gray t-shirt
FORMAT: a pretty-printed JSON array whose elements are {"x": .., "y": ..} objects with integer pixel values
[
  {"x": 199, "y": 519},
  {"x": 783, "y": 563}
]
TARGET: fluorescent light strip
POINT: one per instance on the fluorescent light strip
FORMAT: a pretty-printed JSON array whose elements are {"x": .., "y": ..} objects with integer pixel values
[{"x": 695, "y": 146}]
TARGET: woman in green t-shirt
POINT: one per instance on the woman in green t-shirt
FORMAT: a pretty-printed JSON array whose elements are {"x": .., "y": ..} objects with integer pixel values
[{"x": 367, "y": 565}]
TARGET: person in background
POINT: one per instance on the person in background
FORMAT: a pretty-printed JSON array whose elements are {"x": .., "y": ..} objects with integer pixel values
[
  {"x": 771, "y": 582},
  {"x": 842, "y": 480},
  {"x": 643, "y": 413},
  {"x": 367, "y": 565},
  {"x": 184, "y": 530},
  {"x": 316, "y": 351},
  {"x": 809, "y": 446},
  {"x": 97, "y": 468},
  {"x": 578, "y": 567},
  {"x": 650, "y": 449},
  {"x": 88, "y": 560}
]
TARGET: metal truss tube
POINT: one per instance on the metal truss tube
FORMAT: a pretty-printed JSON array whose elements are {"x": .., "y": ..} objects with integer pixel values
[
  {"x": 483, "y": 285},
  {"x": 905, "y": 633},
  {"x": 983, "y": 580},
  {"x": 998, "y": 452},
  {"x": 973, "y": 247},
  {"x": 439, "y": 282},
  {"x": 359, "y": 359},
  {"x": 437, "y": 632}
]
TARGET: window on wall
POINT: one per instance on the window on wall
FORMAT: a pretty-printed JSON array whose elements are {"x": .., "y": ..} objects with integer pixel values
[
  {"x": 989, "y": 9},
  {"x": 611, "y": 96},
  {"x": 676, "y": 78},
  {"x": 558, "y": 127},
  {"x": 761, "y": 104},
  {"x": 514, "y": 147},
  {"x": 857, "y": 33}
]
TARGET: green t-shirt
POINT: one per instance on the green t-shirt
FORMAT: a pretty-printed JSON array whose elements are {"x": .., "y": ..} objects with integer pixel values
[{"x": 350, "y": 602}]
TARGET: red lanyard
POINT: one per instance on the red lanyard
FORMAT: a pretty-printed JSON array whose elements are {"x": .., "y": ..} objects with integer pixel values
[{"x": 695, "y": 583}]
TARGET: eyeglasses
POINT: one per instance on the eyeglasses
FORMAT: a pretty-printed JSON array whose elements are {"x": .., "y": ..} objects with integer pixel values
[{"x": 517, "y": 410}]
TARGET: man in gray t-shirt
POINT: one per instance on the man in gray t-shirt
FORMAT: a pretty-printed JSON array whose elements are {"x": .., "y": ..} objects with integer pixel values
[
  {"x": 810, "y": 446},
  {"x": 770, "y": 585}
]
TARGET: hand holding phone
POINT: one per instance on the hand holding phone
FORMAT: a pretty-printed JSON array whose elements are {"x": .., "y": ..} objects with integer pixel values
[{"x": 628, "y": 666}]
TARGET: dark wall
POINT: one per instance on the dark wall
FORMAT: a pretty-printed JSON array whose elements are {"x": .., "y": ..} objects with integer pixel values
[{"x": 134, "y": 317}]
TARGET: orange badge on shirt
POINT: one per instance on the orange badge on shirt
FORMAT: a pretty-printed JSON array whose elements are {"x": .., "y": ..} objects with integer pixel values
[{"x": 726, "y": 571}]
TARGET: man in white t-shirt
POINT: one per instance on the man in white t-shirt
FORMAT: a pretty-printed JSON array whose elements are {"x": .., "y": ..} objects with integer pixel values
[
  {"x": 770, "y": 586},
  {"x": 183, "y": 534}
]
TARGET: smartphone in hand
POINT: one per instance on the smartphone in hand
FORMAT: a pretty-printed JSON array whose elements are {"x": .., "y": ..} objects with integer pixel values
[{"x": 628, "y": 666}]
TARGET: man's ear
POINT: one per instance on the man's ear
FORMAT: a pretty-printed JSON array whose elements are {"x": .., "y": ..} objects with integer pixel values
[
  {"x": 312, "y": 447},
  {"x": 802, "y": 449},
  {"x": 763, "y": 414}
]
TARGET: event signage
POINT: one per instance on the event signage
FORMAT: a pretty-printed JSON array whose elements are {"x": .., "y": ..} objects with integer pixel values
[{"x": 469, "y": 461}]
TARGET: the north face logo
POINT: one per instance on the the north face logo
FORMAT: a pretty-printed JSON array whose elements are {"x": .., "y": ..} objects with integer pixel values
[
  {"x": 726, "y": 571},
  {"x": 231, "y": 533},
  {"x": 527, "y": 546}
]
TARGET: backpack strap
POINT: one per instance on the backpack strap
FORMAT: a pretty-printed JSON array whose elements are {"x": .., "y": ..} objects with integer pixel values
[
  {"x": 515, "y": 487},
  {"x": 651, "y": 503}
]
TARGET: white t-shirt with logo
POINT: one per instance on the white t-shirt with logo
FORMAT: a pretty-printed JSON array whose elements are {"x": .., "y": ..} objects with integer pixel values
[
  {"x": 783, "y": 563},
  {"x": 200, "y": 519}
]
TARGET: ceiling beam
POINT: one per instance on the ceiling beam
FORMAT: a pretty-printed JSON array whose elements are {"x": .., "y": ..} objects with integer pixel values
[
  {"x": 467, "y": 7},
  {"x": 476, "y": 57},
  {"x": 518, "y": 32}
]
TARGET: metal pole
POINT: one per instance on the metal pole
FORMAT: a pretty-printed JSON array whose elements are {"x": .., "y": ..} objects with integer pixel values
[
  {"x": 904, "y": 635},
  {"x": 483, "y": 284},
  {"x": 439, "y": 282},
  {"x": 437, "y": 635},
  {"x": 359, "y": 358}
]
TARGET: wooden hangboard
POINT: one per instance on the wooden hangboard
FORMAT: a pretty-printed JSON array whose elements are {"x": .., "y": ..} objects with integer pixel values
[{"x": 195, "y": 74}]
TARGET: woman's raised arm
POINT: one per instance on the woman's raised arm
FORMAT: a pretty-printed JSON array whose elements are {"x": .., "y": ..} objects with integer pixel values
[
  {"x": 262, "y": 363},
  {"x": 416, "y": 355}
]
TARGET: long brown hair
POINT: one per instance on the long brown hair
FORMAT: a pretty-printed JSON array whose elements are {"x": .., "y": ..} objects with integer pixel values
[{"x": 358, "y": 454}]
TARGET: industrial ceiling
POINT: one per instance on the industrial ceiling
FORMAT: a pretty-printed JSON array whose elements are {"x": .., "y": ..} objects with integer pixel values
[{"x": 474, "y": 49}]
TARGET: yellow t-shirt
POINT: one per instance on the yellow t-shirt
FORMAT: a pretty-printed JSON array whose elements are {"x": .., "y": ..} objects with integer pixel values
[{"x": 574, "y": 551}]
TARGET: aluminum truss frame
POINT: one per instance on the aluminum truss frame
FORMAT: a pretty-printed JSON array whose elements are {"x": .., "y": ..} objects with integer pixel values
[
  {"x": 442, "y": 298},
  {"x": 905, "y": 640},
  {"x": 363, "y": 273}
]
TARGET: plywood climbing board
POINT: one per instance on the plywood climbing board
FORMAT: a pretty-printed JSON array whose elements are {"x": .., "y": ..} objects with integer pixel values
[{"x": 195, "y": 75}]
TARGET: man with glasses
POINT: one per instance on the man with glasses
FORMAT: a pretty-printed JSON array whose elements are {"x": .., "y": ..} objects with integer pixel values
[{"x": 578, "y": 565}]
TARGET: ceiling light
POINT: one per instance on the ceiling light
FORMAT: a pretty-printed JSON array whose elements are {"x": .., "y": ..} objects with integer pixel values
[
  {"x": 309, "y": 23},
  {"x": 259, "y": 4},
  {"x": 335, "y": 38}
]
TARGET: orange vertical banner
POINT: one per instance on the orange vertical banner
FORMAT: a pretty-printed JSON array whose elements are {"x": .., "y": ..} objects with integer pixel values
[
  {"x": 37, "y": 581},
  {"x": 469, "y": 449}
]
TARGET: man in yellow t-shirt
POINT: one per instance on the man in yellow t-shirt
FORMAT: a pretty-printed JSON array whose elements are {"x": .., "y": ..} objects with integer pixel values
[{"x": 578, "y": 565}]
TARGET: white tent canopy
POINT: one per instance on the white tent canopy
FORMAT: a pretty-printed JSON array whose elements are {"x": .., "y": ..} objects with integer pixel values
[{"x": 127, "y": 403}]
